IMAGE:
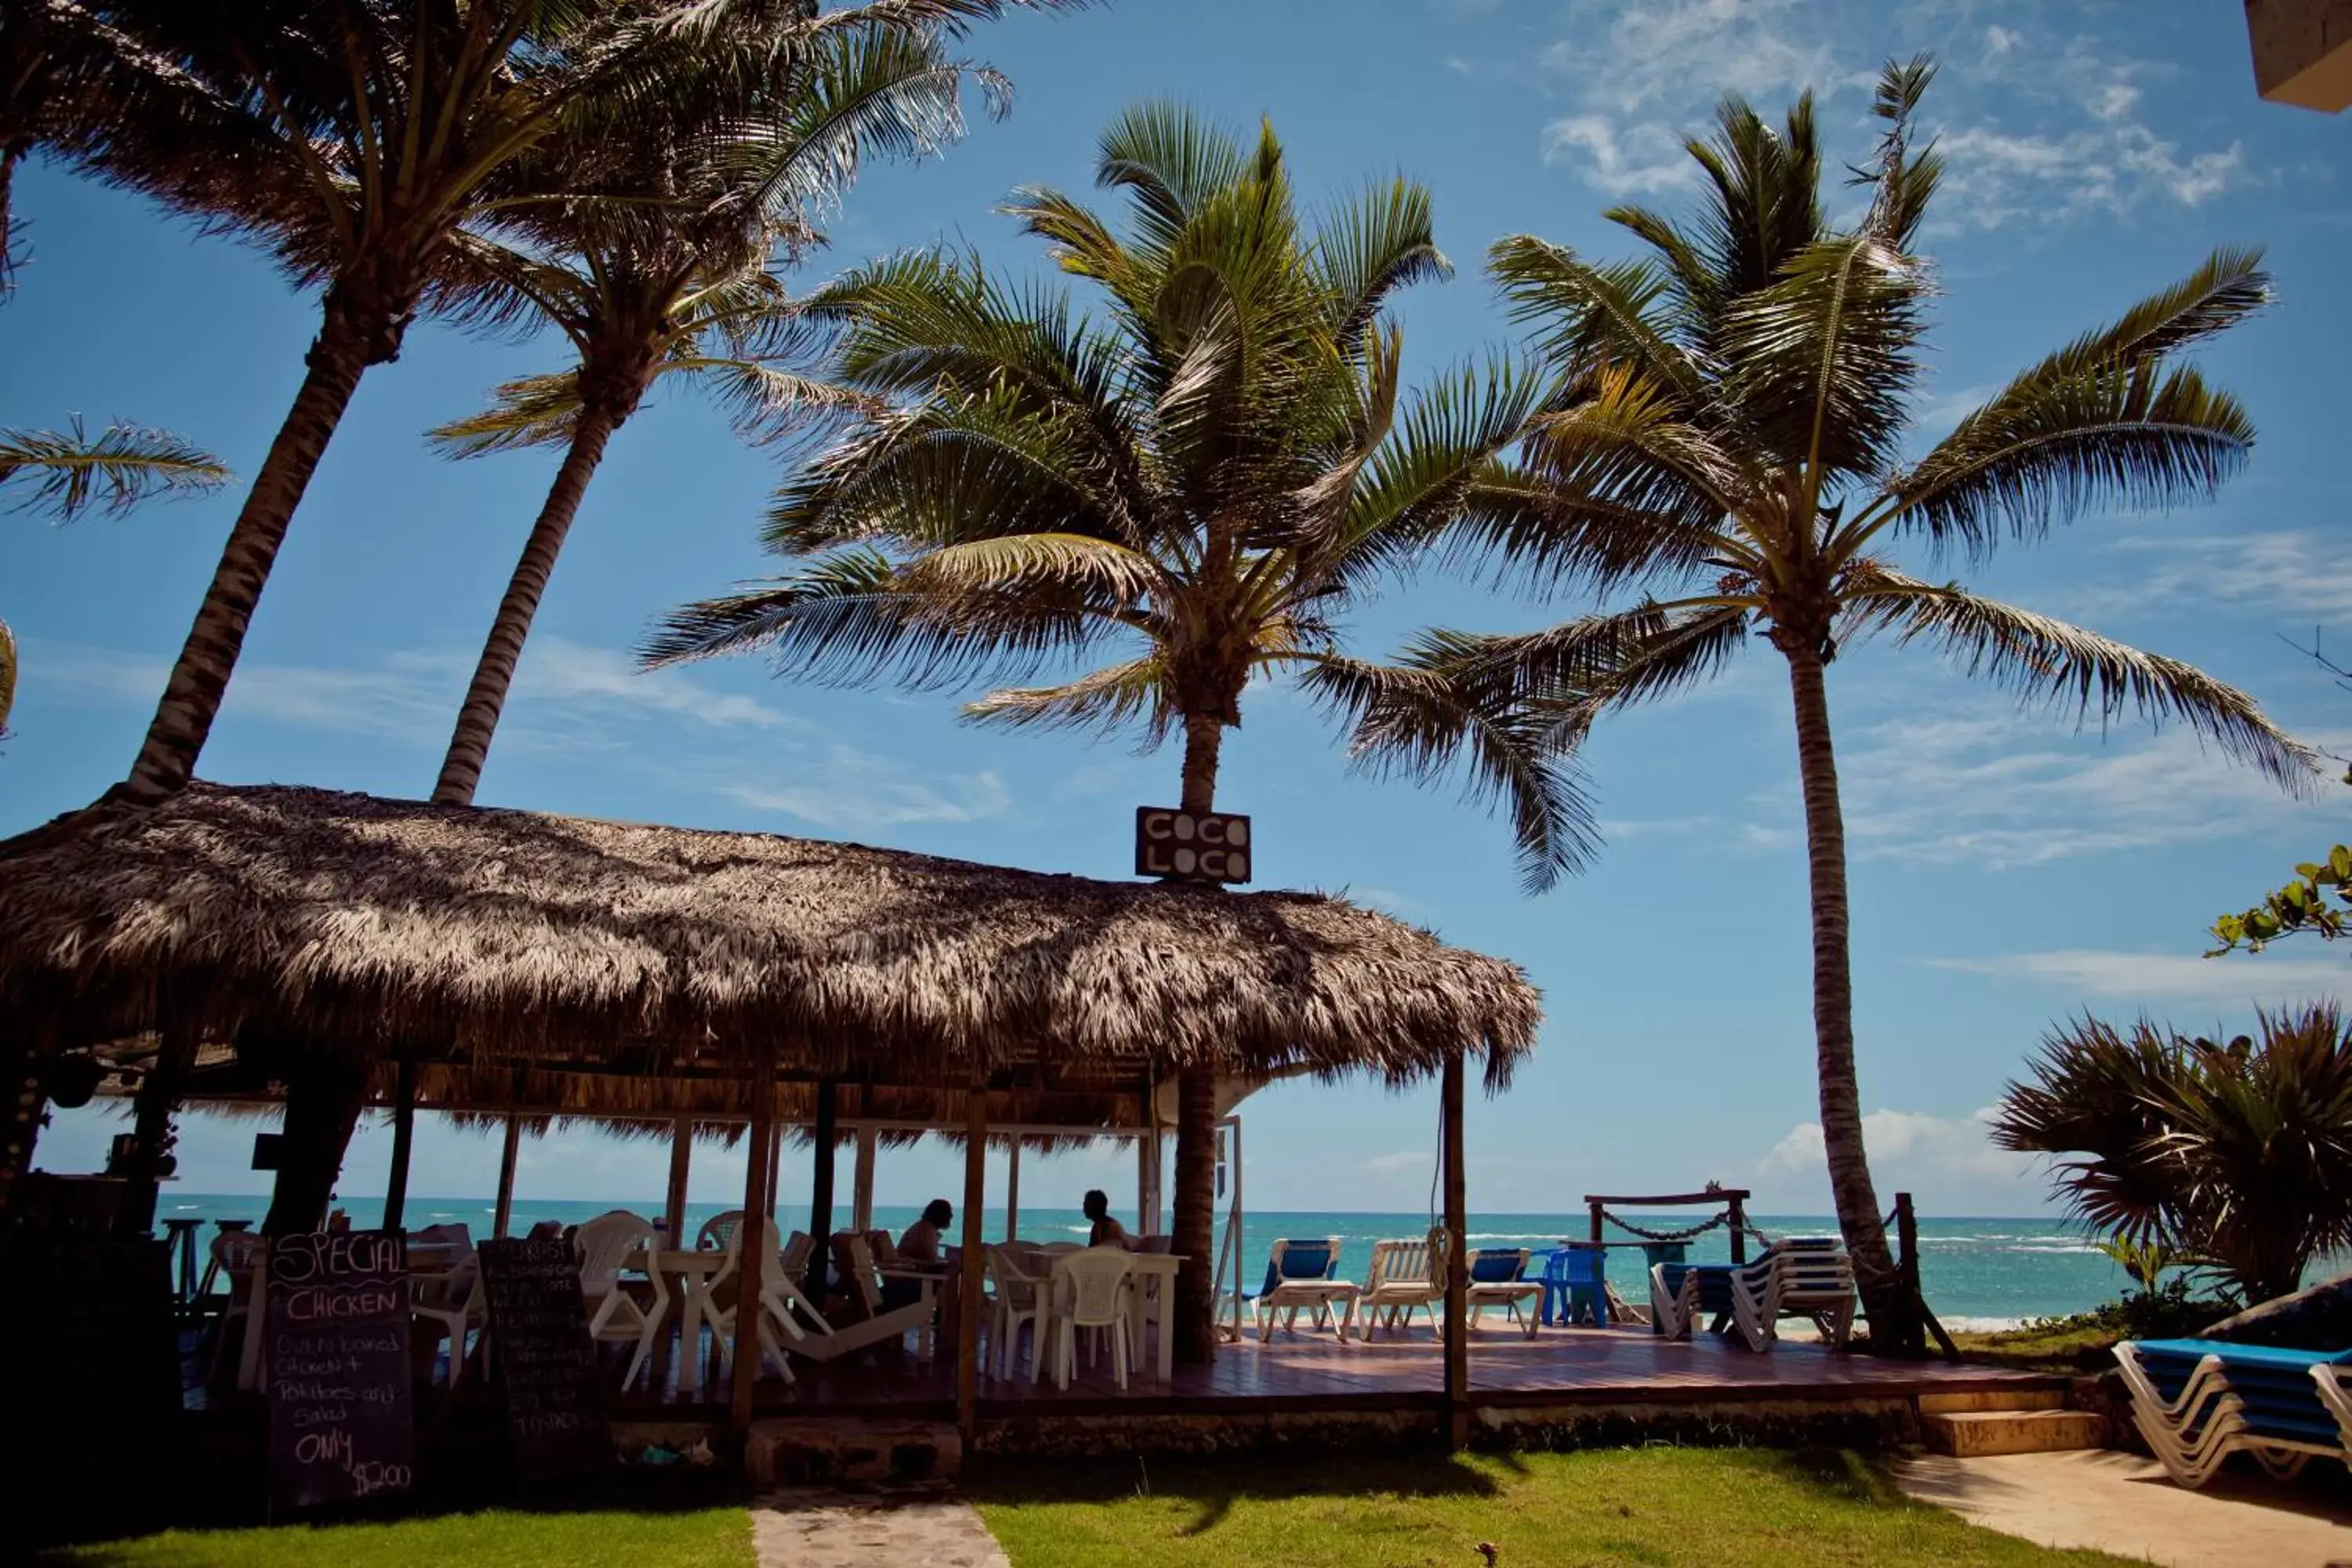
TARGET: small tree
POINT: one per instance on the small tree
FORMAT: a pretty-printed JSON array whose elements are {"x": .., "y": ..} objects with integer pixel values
[{"x": 2237, "y": 1154}]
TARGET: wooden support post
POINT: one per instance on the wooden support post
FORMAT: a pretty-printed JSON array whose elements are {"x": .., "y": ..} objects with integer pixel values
[
  {"x": 1457, "y": 1221},
  {"x": 151, "y": 1108},
  {"x": 504, "y": 1214},
  {"x": 821, "y": 1188},
  {"x": 1013, "y": 1191},
  {"x": 861, "y": 1182},
  {"x": 681, "y": 1170},
  {"x": 1913, "y": 1340},
  {"x": 1597, "y": 1222},
  {"x": 404, "y": 1140},
  {"x": 967, "y": 1326},
  {"x": 775, "y": 1170},
  {"x": 1738, "y": 1228},
  {"x": 752, "y": 1243}
]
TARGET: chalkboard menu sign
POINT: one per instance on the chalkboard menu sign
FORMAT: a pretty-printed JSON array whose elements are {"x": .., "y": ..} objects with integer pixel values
[
  {"x": 539, "y": 1327},
  {"x": 341, "y": 1426}
]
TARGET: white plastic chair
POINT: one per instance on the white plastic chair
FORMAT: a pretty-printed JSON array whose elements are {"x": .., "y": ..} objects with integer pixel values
[
  {"x": 718, "y": 1233},
  {"x": 606, "y": 1245},
  {"x": 451, "y": 1305},
  {"x": 780, "y": 1299},
  {"x": 1404, "y": 1276},
  {"x": 1015, "y": 1275},
  {"x": 234, "y": 1254},
  {"x": 1094, "y": 1282},
  {"x": 1290, "y": 1287}
]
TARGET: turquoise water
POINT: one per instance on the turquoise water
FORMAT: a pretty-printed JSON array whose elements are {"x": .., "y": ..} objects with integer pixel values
[{"x": 1976, "y": 1273}]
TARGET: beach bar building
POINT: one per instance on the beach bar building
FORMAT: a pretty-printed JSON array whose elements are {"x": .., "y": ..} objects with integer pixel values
[{"x": 331, "y": 952}]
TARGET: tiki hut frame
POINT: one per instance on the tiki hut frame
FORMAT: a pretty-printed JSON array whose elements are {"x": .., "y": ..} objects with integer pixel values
[{"x": 290, "y": 924}]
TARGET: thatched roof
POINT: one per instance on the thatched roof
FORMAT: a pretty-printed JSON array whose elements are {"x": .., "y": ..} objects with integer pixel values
[{"x": 346, "y": 921}]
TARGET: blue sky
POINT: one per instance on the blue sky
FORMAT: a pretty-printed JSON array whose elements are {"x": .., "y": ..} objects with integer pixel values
[{"x": 2008, "y": 869}]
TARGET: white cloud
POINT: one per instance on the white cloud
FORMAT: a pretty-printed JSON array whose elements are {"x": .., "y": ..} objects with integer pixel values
[
  {"x": 1948, "y": 1163},
  {"x": 2238, "y": 980},
  {"x": 852, "y": 791},
  {"x": 2305, "y": 572},
  {"x": 1983, "y": 785},
  {"x": 1645, "y": 157},
  {"x": 1397, "y": 1163},
  {"x": 2043, "y": 126}
]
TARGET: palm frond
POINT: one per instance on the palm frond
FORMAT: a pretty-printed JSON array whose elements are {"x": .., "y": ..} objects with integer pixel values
[
  {"x": 1417, "y": 722},
  {"x": 2048, "y": 449},
  {"x": 2051, "y": 663},
  {"x": 1110, "y": 699},
  {"x": 69, "y": 471},
  {"x": 1592, "y": 318},
  {"x": 1368, "y": 249},
  {"x": 1027, "y": 563},
  {"x": 2230, "y": 286},
  {"x": 531, "y": 411}
]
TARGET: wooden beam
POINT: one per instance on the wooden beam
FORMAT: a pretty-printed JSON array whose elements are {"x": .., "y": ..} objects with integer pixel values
[
  {"x": 1668, "y": 1199},
  {"x": 681, "y": 1170},
  {"x": 404, "y": 1140},
  {"x": 1013, "y": 1191},
  {"x": 1457, "y": 1221},
  {"x": 861, "y": 1182},
  {"x": 151, "y": 1108},
  {"x": 752, "y": 1243},
  {"x": 967, "y": 1326},
  {"x": 821, "y": 1187}
]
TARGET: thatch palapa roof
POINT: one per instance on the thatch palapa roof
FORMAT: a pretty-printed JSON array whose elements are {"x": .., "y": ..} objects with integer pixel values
[{"x": 350, "y": 923}]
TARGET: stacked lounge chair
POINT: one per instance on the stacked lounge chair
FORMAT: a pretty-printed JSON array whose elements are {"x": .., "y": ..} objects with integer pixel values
[
  {"x": 2197, "y": 1401},
  {"x": 1801, "y": 1276}
]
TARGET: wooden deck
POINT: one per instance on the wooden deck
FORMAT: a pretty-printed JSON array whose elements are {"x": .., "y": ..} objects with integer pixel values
[{"x": 1315, "y": 1372}]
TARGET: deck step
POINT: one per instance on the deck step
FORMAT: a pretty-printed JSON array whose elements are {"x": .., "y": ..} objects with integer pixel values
[
  {"x": 1992, "y": 1399},
  {"x": 1972, "y": 1434}
]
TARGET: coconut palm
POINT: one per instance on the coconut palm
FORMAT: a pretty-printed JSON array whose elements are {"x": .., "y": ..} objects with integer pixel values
[
  {"x": 2237, "y": 1156},
  {"x": 1725, "y": 439},
  {"x": 1196, "y": 485},
  {"x": 355, "y": 140},
  {"x": 659, "y": 268},
  {"x": 72, "y": 471}
]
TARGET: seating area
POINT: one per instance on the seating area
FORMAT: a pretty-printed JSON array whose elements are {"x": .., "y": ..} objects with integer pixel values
[
  {"x": 1799, "y": 1277},
  {"x": 2197, "y": 1401}
]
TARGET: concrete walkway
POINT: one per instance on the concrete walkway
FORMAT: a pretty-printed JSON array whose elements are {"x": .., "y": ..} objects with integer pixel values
[
  {"x": 2127, "y": 1505},
  {"x": 915, "y": 1527}
]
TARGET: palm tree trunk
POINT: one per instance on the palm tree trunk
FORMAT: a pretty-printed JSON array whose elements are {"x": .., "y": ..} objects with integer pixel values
[
  {"x": 191, "y": 698},
  {"x": 1196, "y": 1113},
  {"x": 478, "y": 721},
  {"x": 1858, "y": 1213},
  {"x": 324, "y": 1101}
]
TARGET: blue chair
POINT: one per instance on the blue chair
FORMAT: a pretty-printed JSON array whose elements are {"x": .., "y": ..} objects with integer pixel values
[
  {"x": 1576, "y": 1285},
  {"x": 1299, "y": 1273}
]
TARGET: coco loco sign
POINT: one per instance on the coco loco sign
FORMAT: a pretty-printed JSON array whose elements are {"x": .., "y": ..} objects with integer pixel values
[{"x": 1193, "y": 846}]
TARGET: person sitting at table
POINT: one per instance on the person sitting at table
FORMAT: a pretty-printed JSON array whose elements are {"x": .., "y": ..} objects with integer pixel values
[
  {"x": 1108, "y": 1231},
  {"x": 918, "y": 1248}
]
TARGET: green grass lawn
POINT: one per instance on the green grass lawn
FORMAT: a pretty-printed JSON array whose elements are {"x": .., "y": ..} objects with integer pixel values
[
  {"x": 1707, "y": 1508},
  {"x": 701, "y": 1538}
]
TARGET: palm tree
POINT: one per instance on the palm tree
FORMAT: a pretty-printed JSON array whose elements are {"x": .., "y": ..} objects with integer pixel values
[
  {"x": 73, "y": 471},
  {"x": 355, "y": 140},
  {"x": 1725, "y": 437},
  {"x": 1196, "y": 485},
  {"x": 660, "y": 267},
  {"x": 2237, "y": 1157}
]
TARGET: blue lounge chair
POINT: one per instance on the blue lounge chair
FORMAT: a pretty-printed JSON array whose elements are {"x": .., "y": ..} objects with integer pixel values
[
  {"x": 1498, "y": 1278},
  {"x": 2197, "y": 1401},
  {"x": 1301, "y": 1273}
]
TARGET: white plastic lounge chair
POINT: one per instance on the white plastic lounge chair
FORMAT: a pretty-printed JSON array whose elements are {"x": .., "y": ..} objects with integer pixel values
[
  {"x": 1797, "y": 1277},
  {"x": 782, "y": 1307},
  {"x": 1404, "y": 1276},
  {"x": 2197, "y": 1401},
  {"x": 607, "y": 1245},
  {"x": 1094, "y": 1282},
  {"x": 1301, "y": 1274},
  {"x": 235, "y": 1254},
  {"x": 1498, "y": 1278}
]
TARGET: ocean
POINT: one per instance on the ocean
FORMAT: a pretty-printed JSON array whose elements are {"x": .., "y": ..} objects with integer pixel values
[{"x": 1980, "y": 1274}]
